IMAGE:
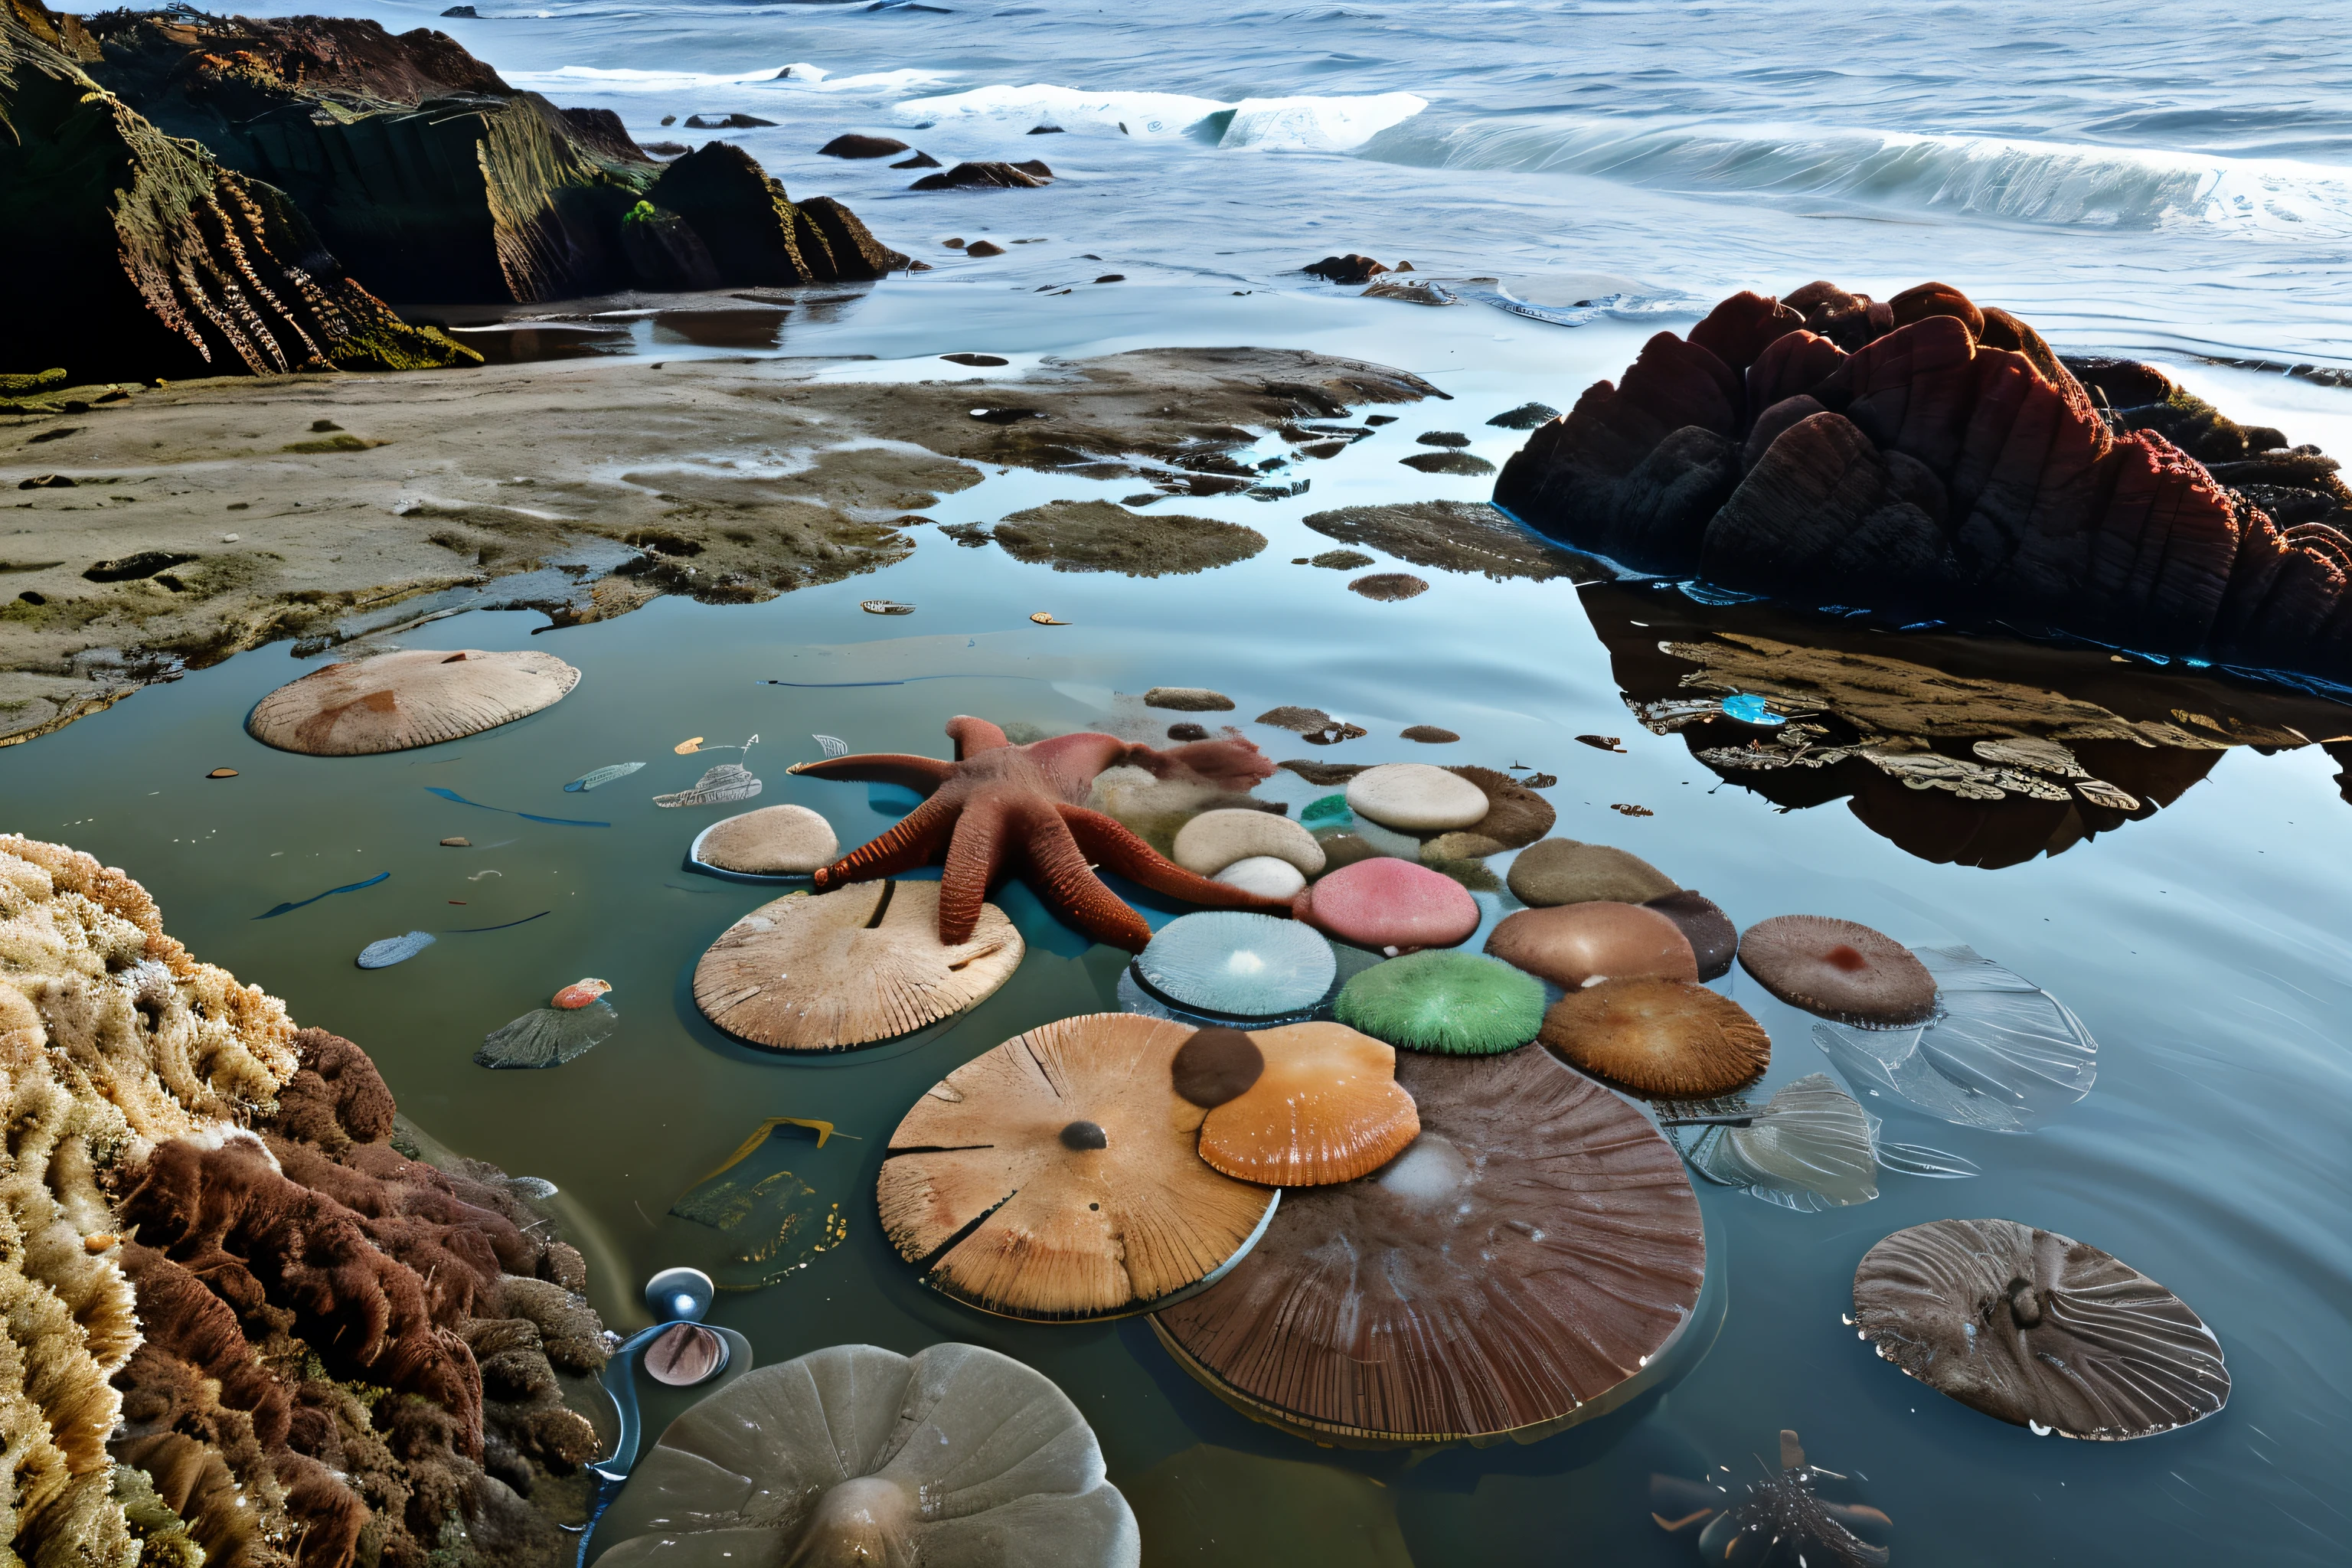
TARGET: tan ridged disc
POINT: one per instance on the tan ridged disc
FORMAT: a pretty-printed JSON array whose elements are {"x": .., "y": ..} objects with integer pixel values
[
  {"x": 415, "y": 697},
  {"x": 827, "y": 971},
  {"x": 1062, "y": 1167}
]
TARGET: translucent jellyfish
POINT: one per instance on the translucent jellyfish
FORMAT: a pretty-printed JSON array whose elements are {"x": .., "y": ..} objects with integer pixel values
[{"x": 394, "y": 950}]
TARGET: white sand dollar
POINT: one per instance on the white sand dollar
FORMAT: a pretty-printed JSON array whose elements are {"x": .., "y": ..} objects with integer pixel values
[
  {"x": 1215, "y": 839},
  {"x": 1265, "y": 876},
  {"x": 415, "y": 698},
  {"x": 1416, "y": 797},
  {"x": 775, "y": 841}
]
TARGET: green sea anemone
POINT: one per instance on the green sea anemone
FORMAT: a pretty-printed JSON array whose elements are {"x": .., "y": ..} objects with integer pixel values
[{"x": 1457, "y": 1004}]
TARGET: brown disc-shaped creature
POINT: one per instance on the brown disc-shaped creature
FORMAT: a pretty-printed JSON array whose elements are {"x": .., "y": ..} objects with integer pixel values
[
  {"x": 1057, "y": 1176},
  {"x": 2038, "y": 1329},
  {"x": 415, "y": 698},
  {"x": 1839, "y": 970},
  {"x": 1576, "y": 946},
  {"x": 825, "y": 971},
  {"x": 1536, "y": 1248},
  {"x": 1323, "y": 1105},
  {"x": 1713, "y": 938},
  {"x": 1667, "y": 1038}
]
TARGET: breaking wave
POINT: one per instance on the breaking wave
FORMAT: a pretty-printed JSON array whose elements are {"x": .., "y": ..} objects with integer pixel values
[{"x": 1306, "y": 124}]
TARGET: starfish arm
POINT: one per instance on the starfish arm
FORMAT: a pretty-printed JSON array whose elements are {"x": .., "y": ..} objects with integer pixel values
[
  {"x": 1070, "y": 888},
  {"x": 1108, "y": 841},
  {"x": 972, "y": 735},
  {"x": 924, "y": 773},
  {"x": 975, "y": 853},
  {"x": 916, "y": 837}
]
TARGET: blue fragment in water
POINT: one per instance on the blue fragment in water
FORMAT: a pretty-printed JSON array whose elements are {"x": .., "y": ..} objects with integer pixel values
[
  {"x": 589, "y": 780},
  {"x": 330, "y": 892},
  {"x": 1750, "y": 709},
  {"x": 527, "y": 817},
  {"x": 394, "y": 950}
]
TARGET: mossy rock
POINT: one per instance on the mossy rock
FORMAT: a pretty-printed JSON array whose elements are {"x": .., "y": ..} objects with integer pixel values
[{"x": 1099, "y": 536}]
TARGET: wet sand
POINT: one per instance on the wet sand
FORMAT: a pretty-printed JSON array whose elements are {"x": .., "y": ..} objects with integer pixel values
[{"x": 204, "y": 518}]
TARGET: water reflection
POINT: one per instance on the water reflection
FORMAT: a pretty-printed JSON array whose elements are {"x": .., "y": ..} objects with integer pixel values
[{"x": 1975, "y": 751}]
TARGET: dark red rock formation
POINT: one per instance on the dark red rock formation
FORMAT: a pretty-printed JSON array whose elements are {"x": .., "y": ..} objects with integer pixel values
[
  {"x": 348, "y": 1334},
  {"x": 152, "y": 259},
  {"x": 1927, "y": 455}
]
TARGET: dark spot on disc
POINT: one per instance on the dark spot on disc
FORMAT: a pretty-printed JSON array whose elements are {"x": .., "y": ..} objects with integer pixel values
[
  {"x": 1216, "y": 1064},
  {"x": 1845, "y": 958},
  {"x": 1083, "y": 1135}
]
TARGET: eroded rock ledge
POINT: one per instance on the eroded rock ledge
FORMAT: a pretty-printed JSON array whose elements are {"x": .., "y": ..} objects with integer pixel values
[
  {"x": 1927, "y": 455},
  {"x": 317, "y": 1350}
]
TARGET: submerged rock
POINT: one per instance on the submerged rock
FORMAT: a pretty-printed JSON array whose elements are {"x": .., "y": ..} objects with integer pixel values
[
  {"x": 851, "y": 145},
  {"x": 1099, "y": 536},
  {"x": 987, "y": 174}
]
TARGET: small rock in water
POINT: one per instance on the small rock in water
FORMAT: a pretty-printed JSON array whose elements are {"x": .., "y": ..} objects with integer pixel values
[
  {"x": 394, "y": 950},
  {"x": 1429, "y": 735},
  {"x": 1602, "y": 742},
  {"x": 222, "y": 773},
  {"x": 1045, "y": 618},
  {"x": 919, "y": 161},
  {"x": 1187, "y": 732},
  {"x": 776, "y": 841},
  {"x": 976, "y": 360},
  {"x": 1390, "y": 587},
  {"x": 548, "y": 1036},
  {"x": 1340, "y": 559},
  {"x": 1188, "y": 699},
  {"x": 983, "y": 248},
  {"x": 1458, "y": 463},
  {"x": 1415, "y": 797},
  {"x": 1525, "y": 416},
  {"x": 853, "y": 146},
  {"x": 1442, "y": 438},
  {"x": 985, "y": 174},
  {"x": 1351, "y": 267},
  {"x": 457, "y": 844},
  {"x": 579, "y": 993}
]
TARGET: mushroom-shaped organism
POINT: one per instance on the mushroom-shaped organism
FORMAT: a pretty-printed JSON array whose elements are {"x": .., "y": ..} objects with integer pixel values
[
  {"x": 1839, "y": 970},
  {"x": 825, "y": 971},
  {"x": 1811, "y": 1147},
  {"x": 1713, "y": 938},
  {"x": 2001, "y": 1054},
  {"x": 1565, "y": 871},
  {"x": 1301, "y": 1106},
  {"x": 1534, "y": 1251},
  {"x": 1668, "y": 1037},
  {"x": 1234, "y": 964},
  {"x": 1781, "y": 1522},
  {"x": 1058, "y": 1176},
  {"x": 854, "y": 1454},
  {"x": 774, "y": 841},
  {"x": 1390, "y": 905},
  {"x": 1456, "y": 1004},
  {"x": 415, "y": 697},
  {"x": 550, "y": 1037},
  {"x": 1416, "y": 797},
  {"x": 1576, "y": 946},
  {"x": 2038, "y": 1329}
]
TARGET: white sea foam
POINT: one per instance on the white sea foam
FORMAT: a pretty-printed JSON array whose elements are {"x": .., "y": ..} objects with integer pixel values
[
  {"x": 1294, "y": 124},
  {"x": 1984, "y": 178},
  {"x": 798, "y": 76}
]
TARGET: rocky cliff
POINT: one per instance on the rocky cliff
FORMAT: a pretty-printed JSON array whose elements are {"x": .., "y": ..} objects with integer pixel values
[
  {"x": 131, "y": 253},
  {"x": 438, "y": 182},
  {"x": 318, "y": 1350},
  {"x": 1928, "y": 456}
]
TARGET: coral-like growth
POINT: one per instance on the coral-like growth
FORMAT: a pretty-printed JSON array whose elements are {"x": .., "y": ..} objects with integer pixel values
[
  {"x": 1923, "y": 455},
  {"x": 317, "y": 1348}
]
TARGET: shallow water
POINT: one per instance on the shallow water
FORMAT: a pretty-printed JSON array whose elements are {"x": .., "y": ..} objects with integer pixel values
[
  {"x": 2203, "y": 946},
  {"x": 2084, "y": 167}
]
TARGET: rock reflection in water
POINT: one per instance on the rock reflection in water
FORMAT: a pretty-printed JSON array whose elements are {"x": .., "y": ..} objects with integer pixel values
[{"x": 1979, "y": 751}]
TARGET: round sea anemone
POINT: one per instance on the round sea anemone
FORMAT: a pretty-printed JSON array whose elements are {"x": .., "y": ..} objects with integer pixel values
[
  {"x": 1237, "y": 964},
  {"x": 1667, "y": 1038},
  {"x": 1457, "y": 1004}
]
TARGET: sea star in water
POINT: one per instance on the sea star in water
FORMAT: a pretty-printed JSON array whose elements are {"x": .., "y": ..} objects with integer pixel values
[{"x": 999, "y": 804}]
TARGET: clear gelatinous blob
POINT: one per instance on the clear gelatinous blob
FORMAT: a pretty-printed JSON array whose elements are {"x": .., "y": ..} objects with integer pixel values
[
  {"x": 1809, "y": 1148},
  {"x": 2002, "y": 1055},
  {"x": 589, "y": 780},
  {"x": 394, "y": 950},
  {"x": 548, "y": 1036},
  {"x": 1238, "y": 964},
  {"x": 727, "y": 782}
]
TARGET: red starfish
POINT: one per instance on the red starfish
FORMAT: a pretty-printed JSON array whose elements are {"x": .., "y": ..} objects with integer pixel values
[{"x": 998, "y": 802}]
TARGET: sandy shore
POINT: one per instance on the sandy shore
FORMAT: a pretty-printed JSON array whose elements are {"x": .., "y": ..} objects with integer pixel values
[{"x": 208, "y": 517}]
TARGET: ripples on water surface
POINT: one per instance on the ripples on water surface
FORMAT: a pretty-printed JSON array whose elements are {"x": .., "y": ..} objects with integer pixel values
[{"x": 2152, "y": 177}]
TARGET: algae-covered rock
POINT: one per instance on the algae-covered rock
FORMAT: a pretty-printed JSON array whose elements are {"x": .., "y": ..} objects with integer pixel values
[
  {"x": 1099, "y": 536},
  {"x": 155, "y": 259}
]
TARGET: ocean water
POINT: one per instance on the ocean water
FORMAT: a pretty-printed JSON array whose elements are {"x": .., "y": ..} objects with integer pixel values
[{"x": 2158, "y": 179}]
